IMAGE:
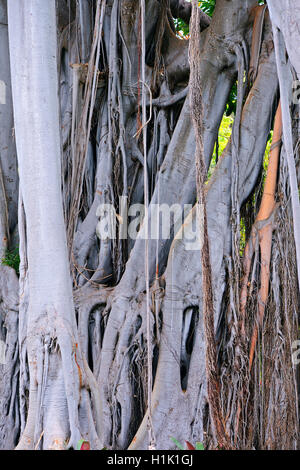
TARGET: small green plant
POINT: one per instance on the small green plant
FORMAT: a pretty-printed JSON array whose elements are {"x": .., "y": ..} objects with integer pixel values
[
  {"x": 199, "y": 446},
  {"x": 83, "y": 445},
  {"x": 189, "y": 446},
  {"x": 224, "y": 135},
  {"x": 12, "y": 259}
]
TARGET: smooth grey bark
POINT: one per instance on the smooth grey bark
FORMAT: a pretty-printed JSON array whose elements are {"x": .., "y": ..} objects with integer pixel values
[
  {"x": 53, "y": 355},
  {"x": 8, "y": 159}
]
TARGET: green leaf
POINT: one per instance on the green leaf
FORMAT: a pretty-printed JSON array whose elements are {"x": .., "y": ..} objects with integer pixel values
[
  {"x": 177, "y": 443},
  {"x": 207, "y": 6},
  {"x": 80, "y": 444},
  {"x": 199, "y": 446},
  {"x": 12, "y": 259},
  {"x": 83, "y": 445}
]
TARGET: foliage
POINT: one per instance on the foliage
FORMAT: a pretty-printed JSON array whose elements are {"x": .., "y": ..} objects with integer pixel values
[
  {"x": 12, "y": 259},
  {"x": 223, "y": 138},
  {"x": 208, "y": 6},
  {"x": 198, "y": 445},
  {"x": 183, "y": 29},
  {"x": 177, "y": 443},
  {"x": 231, "y": 104}
]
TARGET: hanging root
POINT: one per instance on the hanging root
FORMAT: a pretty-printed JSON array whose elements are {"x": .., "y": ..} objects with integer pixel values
[
  {"x": 261, "y": 236},
  {"x": 80, "y": 146},
  {"x": 213, "y": 381}
]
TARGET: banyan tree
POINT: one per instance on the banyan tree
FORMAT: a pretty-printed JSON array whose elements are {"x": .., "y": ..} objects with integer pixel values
[{"x": 149, "y": 285}]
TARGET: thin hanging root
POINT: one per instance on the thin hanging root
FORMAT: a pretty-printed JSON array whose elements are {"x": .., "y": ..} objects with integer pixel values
[
  {"x": 80, "y": 144},
  {"x": 159, "y": 34},
  {"x": 262, "y": 231},
  {"x": 152, "y": 440},
  {"x": 213, "y": 380}
]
